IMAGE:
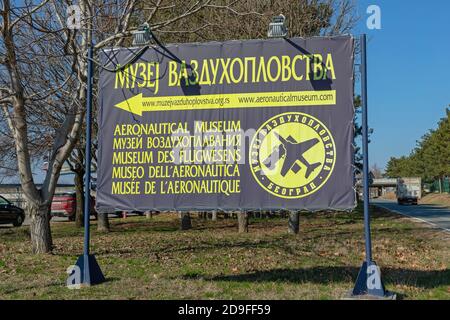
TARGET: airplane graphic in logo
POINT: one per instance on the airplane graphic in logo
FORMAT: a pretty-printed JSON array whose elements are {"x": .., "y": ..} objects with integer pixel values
[{"x": 292, "y": 151}]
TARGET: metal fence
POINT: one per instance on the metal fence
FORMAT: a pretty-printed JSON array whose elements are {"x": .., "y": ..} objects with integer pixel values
[{"x": 441, "y": 185}]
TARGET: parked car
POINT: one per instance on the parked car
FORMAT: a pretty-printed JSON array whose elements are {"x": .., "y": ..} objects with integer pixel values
[
  {"x": 65, "y": 205},
  {"x": 10, "y": 213}
]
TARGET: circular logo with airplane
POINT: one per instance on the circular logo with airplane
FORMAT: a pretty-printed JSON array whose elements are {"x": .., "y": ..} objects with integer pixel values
[{"x": 292, "y": 155}]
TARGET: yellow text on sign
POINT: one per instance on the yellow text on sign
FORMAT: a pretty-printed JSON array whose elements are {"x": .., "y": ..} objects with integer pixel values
[{"x": 139, "y": 104}]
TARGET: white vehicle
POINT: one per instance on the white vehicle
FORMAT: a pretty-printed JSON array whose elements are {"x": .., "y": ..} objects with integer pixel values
[{"x": 409, "y": 190}]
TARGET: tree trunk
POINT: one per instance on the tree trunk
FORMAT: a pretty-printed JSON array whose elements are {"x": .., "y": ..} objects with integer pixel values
[
  {"x": 243, "y": 222},
  {"x": 102, "y": 222},
  {"x": 186, "y": 223},
  {"x": 41, "y": 236},
  {"x": 294, "y": 222},
  {"x": 79, "y": 190}
]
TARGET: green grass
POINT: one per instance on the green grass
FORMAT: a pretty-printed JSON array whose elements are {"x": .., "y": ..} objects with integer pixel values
[{"x": 150, "y": 259}]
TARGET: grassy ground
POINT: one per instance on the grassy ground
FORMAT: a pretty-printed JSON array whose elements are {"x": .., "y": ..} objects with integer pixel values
[
  {"x": 441, "y": 199},
  {"x": 150, "y": 259}
]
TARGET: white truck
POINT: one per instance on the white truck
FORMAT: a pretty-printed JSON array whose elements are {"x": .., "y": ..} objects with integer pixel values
[{"x": 409, "y": 190}]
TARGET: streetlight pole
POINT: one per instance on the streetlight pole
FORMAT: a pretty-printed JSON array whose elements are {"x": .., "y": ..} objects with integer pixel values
[
  {"x": 90, "y": 272},
  {"x": 89, "y": 268},
  {"x": 87, "y": 170},
  {"x": 365, "y": 147},
  {"x": 369, "y": 280}
]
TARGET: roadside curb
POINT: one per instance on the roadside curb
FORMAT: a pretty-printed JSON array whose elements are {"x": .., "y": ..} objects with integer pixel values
[{"x": 411, "y": 217}]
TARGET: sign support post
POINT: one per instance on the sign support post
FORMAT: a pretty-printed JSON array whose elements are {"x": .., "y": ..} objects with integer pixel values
[
  {"x": 369, "y": 282},
  {"x": 90, "y": 270}
]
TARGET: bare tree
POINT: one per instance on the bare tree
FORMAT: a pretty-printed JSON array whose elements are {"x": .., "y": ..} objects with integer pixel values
[
  {"x": 223, "y": 20},
  {"x": 376, "y": 171},
  {"x": 243, "y": 221},
  {"x": 76, "y": 164},
  {"x": 185, "y": 219},
  {"x": 31, "y": 79},
  {"x": 294, "y": 222}
]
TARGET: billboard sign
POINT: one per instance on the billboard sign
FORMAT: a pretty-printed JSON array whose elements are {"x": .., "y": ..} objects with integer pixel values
[{"x": 257, "y": 124}]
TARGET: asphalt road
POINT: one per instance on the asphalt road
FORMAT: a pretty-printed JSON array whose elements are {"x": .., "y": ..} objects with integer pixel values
[{"x": 438, "y": 217}]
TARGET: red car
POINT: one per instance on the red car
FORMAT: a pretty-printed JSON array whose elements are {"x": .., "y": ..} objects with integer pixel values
[{"x": 65, "y": 205}]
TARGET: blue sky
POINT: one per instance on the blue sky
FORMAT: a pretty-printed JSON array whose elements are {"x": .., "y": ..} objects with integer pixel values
[{"x": 408, "y": 73}]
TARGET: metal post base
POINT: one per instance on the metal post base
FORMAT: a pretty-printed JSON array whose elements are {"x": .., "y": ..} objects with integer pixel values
[
  {"x": 369, "y": 284},
  {"x": 94, "y": 274}
]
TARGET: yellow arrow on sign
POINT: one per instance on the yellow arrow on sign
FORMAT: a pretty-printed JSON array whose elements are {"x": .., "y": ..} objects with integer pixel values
[{"x": 139, "y": 104}]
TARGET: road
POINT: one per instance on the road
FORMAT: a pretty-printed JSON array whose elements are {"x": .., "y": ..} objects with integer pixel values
[{"x": 438, "y": 217}]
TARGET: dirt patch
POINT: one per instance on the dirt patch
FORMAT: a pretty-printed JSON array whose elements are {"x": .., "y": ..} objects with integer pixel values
[
  {"x": 442, "y": 199},
  {"x": 390, "y": 196}
]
